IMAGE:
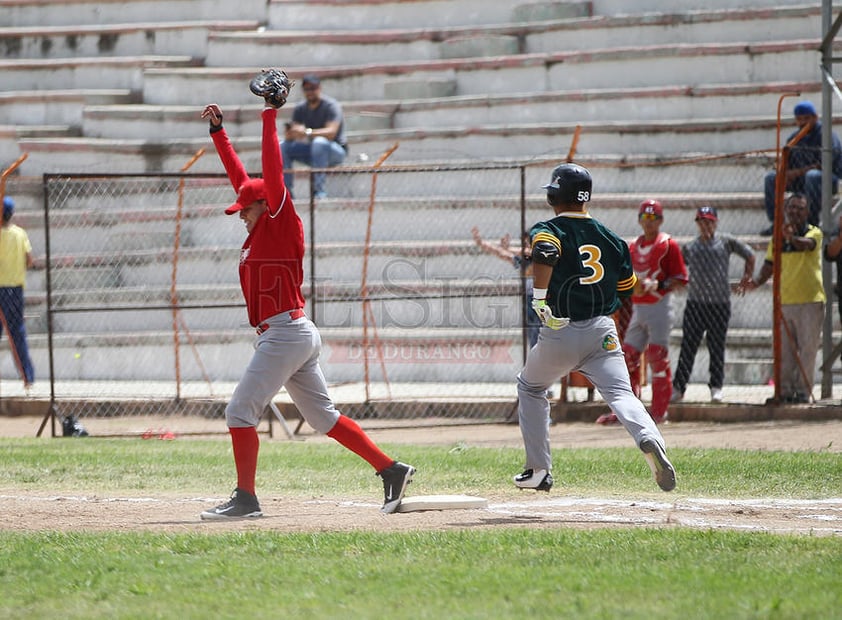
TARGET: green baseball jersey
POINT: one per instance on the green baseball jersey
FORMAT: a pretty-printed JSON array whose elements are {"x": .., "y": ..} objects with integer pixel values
[{"x": 594, "y": 267}]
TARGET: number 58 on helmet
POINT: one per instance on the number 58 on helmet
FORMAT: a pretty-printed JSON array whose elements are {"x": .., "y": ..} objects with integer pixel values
[{"x": 571, "y": 183}]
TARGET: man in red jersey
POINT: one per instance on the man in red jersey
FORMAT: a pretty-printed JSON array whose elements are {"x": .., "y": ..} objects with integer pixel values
[
  {"x": 660, "y": 267},
  {"x": 288, "y": 344}
]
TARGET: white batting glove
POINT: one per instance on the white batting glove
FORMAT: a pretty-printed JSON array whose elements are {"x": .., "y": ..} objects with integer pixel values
[{"x": 546, "y": 315}]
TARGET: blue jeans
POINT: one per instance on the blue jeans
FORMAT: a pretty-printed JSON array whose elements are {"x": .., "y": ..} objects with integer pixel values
[
  {"x": 812, "y": 189},
  {"x": 320, "y": 153},
  {"x": 11, "y": 304}
]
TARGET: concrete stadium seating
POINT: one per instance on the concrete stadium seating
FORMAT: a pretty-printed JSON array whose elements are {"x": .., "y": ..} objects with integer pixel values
[
  {"x": 104, "y": 87},
  {"x": 386, "y": 14},
  {"x": 354, "y": 47},
  {"x": 138, "y": 39},
  {"x": 732, "y": 101},
  {"x": 35, "y": 13}
]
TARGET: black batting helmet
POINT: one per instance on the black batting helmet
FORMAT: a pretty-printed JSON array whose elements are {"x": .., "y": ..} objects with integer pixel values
[{"x": 571, "y": 183}]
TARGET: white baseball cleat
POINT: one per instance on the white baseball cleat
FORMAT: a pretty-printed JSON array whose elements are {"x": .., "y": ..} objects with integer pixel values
[{"x": 539, "y": 479}]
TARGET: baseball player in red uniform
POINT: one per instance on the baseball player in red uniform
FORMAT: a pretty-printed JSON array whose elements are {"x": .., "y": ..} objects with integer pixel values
[
  {"x": 660, "y": 267},
  {"x": 288, "y": 343},
  {"x": 581, "y": 270}
]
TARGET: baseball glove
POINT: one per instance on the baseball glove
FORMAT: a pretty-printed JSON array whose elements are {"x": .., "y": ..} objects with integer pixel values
[{"x": 273, "y": 85}]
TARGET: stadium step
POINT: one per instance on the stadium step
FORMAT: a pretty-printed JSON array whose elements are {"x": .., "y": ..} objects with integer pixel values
[
  {"x": 57, "y": 107},
  {"x": 127, "y": 39},
  {"x": 678, "y": 173},
  {"x": 622, "y": 67},
  {"x": 328, "y": 15},
  {"x": 614, "y": 7},
  {"x": 36, "y": 13},
  {"x": 362, "y": 15},
  {"x": 12, "y": 135},
  {"x": 734, "y": 101},
  {"x": 125, "y": 72},
  {"x": 360, "y": 47},
  {"x": 666, "y": 140},
  {"x": 92, "y": 221}
]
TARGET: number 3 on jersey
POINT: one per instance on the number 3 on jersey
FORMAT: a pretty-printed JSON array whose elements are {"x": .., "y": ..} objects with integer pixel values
[{"x": 590, "y": 260}]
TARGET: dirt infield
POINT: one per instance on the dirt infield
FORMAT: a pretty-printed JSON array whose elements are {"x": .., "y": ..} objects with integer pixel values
[
  {"x": 55, "y": 510},
  {"x": 170, "y": 514}
]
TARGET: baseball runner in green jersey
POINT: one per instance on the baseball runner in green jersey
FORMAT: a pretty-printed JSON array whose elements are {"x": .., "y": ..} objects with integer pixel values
[{"x": 581, "y": 269}]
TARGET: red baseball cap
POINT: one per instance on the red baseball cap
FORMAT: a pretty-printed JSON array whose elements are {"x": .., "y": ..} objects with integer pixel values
[
  {"x": 651, "y": 207},
  {"x": 706, "y": 212},
  {"x": 250, "y": 191}
]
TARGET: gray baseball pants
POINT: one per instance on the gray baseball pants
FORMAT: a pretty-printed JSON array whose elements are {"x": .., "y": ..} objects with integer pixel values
[
  {"x": 593, "y": 348},
  {"x": 285, "y": 355}
]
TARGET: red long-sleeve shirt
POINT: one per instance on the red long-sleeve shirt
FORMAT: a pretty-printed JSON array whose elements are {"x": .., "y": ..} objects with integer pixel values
[{"x": 271, "y": 259}]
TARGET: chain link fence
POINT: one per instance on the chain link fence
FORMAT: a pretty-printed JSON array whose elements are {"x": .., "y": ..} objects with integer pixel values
[{"x": 138, "y": 323}]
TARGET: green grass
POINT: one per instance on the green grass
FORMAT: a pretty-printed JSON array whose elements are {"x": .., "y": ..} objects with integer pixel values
[
  {"x": 298, "y": 469},
  {"x": 499, "y": 573}
]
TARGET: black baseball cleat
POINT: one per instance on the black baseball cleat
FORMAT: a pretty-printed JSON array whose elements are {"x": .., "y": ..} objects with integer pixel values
[
  {"x": 242, "y": 505},
  {"x": 540, "y": 480},
  {"x": 396, "y": 477},
  {"x": 661, "y": 468}
]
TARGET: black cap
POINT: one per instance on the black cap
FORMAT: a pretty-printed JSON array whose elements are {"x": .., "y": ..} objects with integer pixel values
[{"x": 311, "y": 78}]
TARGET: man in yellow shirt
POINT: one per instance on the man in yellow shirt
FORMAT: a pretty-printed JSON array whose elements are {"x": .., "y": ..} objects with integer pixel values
[
  {"x": 15, "y": 259},
  {"x": 802, "y": 298}
]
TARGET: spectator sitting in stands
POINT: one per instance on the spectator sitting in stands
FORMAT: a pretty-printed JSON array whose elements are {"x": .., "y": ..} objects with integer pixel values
[
  {"x": 804, "y": 169},
  {"x": 316, "y": 135}
]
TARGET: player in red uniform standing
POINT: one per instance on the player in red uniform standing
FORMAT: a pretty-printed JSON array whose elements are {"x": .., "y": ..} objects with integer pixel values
[
  {"x": 660, "y": 267},
  {"x": 288, "y": 344}
]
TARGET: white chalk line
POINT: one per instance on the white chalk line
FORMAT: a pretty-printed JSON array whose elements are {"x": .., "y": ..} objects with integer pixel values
[{"x": 814, "y": 515}]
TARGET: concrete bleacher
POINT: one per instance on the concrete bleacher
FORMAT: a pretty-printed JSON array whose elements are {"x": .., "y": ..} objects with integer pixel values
[
  {"x": 390, "y": 14},
  {"x": 129, "y": 39},
  {"x": 35, "y": 13},
  {"x": 667, "y": 65},
  {"x": 734, "y": 101},
  {"x": 453, "y": 81},
  {"x": 412, "y": 44}
]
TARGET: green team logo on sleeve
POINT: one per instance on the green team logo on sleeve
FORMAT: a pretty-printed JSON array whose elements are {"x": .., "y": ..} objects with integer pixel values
[{"x": 609, "y": 343}]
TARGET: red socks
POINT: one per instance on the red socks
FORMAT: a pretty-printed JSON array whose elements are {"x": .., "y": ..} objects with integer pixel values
[
  {"x": 350, "y": 435},
  {"x": 246, "y": 444}
]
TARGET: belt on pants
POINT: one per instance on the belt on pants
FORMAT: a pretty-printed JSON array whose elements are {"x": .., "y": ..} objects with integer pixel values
[{"x": 293, "y": 314}]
